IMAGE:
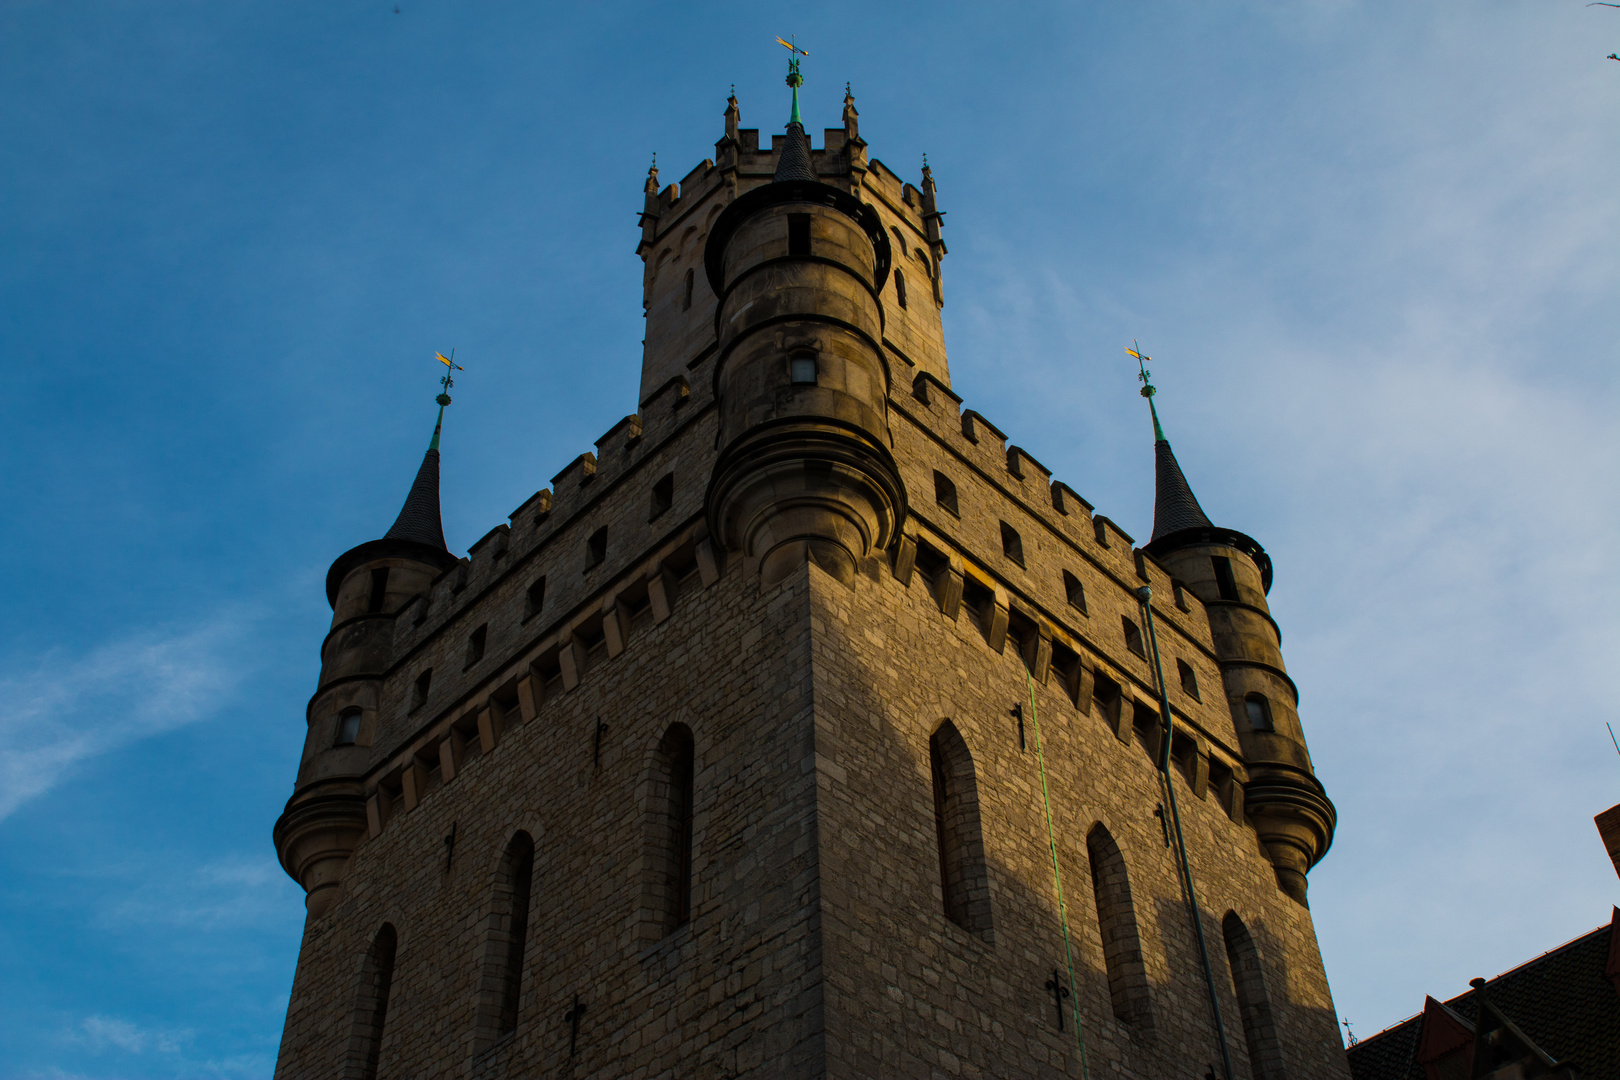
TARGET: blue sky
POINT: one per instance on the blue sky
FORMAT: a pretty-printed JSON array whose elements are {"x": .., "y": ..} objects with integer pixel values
[{"x": 1373, "y": 246}]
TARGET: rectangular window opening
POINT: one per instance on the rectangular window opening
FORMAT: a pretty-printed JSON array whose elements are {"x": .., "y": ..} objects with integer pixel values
[
  {"x": 475, "y": 644},
  {"x": 535, "y": 598},
  {"x": 1224, "y": 582},
  {"x": 798, "y": 234},
  {"x": 1075, "y": 591},
  {"x": 379, "y": 590},
  {"x": 596, "y": 548},
  {"x": 663, "y": 495}
]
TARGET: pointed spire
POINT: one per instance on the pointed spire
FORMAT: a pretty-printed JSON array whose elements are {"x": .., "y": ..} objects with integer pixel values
[
  {"x": 419, "y": 519},
  {"x": 1175, "y": 507},
  {"x": 794, "y": 164}
]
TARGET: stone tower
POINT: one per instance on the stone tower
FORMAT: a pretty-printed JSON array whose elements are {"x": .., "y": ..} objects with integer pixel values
[{"x": 761, "y": 743}]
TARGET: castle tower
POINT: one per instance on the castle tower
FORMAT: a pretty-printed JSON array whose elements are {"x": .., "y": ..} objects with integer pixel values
[
  {"x": 366, "y": 586},
  {"x": 760, "y": 742},
  {"x": 1231, "y": 574}
]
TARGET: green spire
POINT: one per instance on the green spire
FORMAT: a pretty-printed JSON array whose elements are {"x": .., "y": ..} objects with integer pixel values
[
  {"x": 444, "y": 395},
  {"x": 1148, "y": 389},
  {"x": 794, "y": 79}
]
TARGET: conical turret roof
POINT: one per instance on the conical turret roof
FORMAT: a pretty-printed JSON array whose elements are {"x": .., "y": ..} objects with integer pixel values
[
  {"x": 1175, "y": 507},
  {"x": 418, "y": 532},
  {"x": 419, "y": 520},
  {"x": 794, "y": 164}
]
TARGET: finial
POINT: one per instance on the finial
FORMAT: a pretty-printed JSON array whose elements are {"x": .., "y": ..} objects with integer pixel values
[
  {"x": 794, "y": 79},
  {"x": 1148, "y": 389},
  {"x": 451, "y": 367}
]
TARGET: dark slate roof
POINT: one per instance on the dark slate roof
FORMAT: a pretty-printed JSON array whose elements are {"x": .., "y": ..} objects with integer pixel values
[
  {"x": 418, "y": 519},
  {"x": 794, "y": 164},
  {"x": 1562, "y": 1001},
  {"x": 1174, "y": 506}
]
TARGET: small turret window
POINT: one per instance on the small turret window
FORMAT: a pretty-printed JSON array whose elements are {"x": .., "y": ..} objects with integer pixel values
[
  {"x": 802, "y": 370},
  {"x": 1012, "y": 545},
  {"x": 686, "y": 298},
  {"x": 348, "y": 730},
  {"x": 379, "y": 590},
  {"x": 945, "y": 493},
  {"x": 424, "y": 682},
  {"x": 475, "y": 644},
  {"x": 1259, "y": 712},
  {"x": 1133, "y": 637},
  {"x": 900, "y": 288},
  {"x": 1224, "y": 582},
  {"x": 798, "y": 234}
]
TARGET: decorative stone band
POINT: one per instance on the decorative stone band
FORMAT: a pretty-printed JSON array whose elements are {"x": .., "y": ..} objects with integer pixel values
[
  {"x": 1294, "y": 818},
  {"x": 315, "y": 836},
  {"x": 806, "y": 489},
  {"x": 373, "y": 550}
]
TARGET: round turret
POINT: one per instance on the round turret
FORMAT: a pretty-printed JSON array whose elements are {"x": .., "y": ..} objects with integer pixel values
[
  {"x": 801, "y": 379},
  {"x": 368, "y": 587},
  {"x": 1231, "y": 574}
]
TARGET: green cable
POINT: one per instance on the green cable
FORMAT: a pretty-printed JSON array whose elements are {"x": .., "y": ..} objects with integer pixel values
[{"x": 1057, "y": 877}]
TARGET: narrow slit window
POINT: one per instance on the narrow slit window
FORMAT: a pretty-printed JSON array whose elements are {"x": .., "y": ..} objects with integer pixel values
[
  {"x": 1075, "y": 591},
  {"x": 424, "y": 682},
  {"x": 798, "y": 234},
  {"x": 802, "y": 370},
  {"x": 900, "y": 288},
  {"x": 686, "y": 296},
  {"x": 945, "y": 493},
  {"x": 596, "y": 547},
  {"x": 671, "y": 827},
  {"x": 475, "y": 644},
  {"x": 1133, "y": 636},
  {"x": 535, "y": 598},
  {"x": 379, "y": 590},
  {"x": 1225, "y": 584},
  {"x": 1189, "y": 679},
  {"x": 1012, "y": 545},
  {"x": 663, "y": 495},
  {"x": 348, "y": 730},
  {"x": 1259, "y": 712}
]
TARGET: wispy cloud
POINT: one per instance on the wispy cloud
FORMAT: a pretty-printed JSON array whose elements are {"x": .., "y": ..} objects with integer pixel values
[
  {"x": 234, "y": 891},
  {"x": 109, "y": 1032},
  {"x": 68, "y": 709}
]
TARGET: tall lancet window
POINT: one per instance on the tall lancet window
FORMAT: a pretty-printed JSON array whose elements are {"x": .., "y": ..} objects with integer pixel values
[
  {"x": 506, "y": 941},
  {"x": 1116, "y": 921},
  {"x": 671, "y": 827},
  {"x": 1254, "y": 1004},
  {"x": 371, "y": 1007},
  {"x": 964, "y": 881}
]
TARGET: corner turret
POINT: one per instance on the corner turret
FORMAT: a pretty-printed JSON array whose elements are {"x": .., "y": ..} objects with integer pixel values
[
  {"x": 367, "y": 587},
  {"x": 801, "y": 376},
  {"x": 1231, "y": 573}
]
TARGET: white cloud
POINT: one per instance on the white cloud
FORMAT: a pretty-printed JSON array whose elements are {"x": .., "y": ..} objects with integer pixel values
[
  {"x": 68, "y": 709},
  {"x": 104, "y": 1032}
]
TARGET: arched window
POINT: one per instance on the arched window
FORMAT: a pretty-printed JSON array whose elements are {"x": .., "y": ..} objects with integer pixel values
[
  {"x": 963, "y": 879},
  {"x": 371, "y": 1007},
  {"x": 1258, "y": 710},
  {"x": 900, "y": 288},
  {"x": 686, "y": 297},
  {"x": 1248, "y": 980},
  {"x": 1116, "y": 921},
  {"x": 672, "y": 826},
  {"x": 506, "y": 941}
]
